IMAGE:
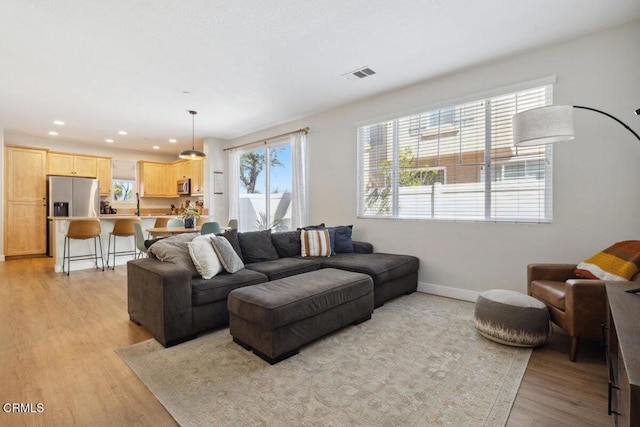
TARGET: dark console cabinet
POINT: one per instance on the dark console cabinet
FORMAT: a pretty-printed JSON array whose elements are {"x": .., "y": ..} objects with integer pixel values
[{"x": 623, "y": 354}]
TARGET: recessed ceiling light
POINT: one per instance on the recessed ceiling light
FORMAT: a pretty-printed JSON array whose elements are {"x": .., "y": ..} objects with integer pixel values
[
  {"x": 122, "y": 132},
  {"x": 108, "y": 140},
  {"x": 155, "y": 147},
  {"x": 53, "y": 133},
  {"x": 173, "y": 140},
  {"x": 185, "y": 92},
  {"x": 58, "y": 122}
]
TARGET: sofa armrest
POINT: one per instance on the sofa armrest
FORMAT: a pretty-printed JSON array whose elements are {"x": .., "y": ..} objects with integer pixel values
[
  {"x": 159, "y": 298},
  {"x": 554, "y": 272},
  {"x": 362, "y": 247},
  {"x": 586, "y": 302}
]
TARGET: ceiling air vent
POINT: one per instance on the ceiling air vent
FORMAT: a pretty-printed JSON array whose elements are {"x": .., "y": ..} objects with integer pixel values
[{"x": 359, "y": 74}]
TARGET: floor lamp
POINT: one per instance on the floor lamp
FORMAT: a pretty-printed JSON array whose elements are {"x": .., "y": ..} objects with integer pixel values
[{"x": 553, "y": 123}]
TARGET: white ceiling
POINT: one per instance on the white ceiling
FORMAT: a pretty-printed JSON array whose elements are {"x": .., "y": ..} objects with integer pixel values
[{"x": 104, "y": 66}]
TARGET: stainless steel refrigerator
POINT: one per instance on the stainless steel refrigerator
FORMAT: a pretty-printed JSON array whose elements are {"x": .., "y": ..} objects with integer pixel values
[{"x": 72, "y": 197}]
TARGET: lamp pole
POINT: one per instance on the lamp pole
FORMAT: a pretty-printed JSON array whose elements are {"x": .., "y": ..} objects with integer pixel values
[{"x": 614, "y": 118}]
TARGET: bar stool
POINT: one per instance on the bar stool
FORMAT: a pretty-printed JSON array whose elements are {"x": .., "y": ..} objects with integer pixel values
[
  {"x": 82, "y": 229},
  {"x": 123, "y": 227},
  {"x": 160, "y": 222}
]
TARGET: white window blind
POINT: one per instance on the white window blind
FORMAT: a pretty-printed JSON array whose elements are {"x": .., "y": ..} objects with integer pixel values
[{"x": 456, "y": 163}]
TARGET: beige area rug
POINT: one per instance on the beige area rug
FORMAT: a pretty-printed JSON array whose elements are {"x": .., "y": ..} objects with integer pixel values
[{"x": 418, "y": 362}]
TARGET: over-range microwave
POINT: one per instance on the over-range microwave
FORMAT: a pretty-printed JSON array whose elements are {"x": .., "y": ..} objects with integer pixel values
[{"x": 184, "y": 186}]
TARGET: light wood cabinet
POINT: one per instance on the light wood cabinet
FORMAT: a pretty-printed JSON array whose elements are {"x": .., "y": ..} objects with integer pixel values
[
  {"x": 103, "y": 169},
  {"x": 25, "y": 201},
  {"x": 159, "y": 179},
  {"x": 197, "y": 178},
  {"x": 153, "y": 179},
  {"x": 71, "y": 165}
]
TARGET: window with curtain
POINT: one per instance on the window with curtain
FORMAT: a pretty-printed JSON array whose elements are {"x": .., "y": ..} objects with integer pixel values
[
  {"x": 265, "y": 189},
  {"x": 456, "y": 163}
]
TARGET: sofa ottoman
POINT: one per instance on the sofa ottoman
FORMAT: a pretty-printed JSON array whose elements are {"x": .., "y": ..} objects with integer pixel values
[
  {"x": 275, "y": 319},
  {"x": 511, "y": 318}
]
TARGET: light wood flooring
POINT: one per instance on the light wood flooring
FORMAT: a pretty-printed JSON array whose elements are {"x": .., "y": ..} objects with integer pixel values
[{"x": 58, "y": 335}]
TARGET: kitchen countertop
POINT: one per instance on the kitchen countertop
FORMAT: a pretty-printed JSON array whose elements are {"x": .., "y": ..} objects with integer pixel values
[{"x": 116, "y": 216}]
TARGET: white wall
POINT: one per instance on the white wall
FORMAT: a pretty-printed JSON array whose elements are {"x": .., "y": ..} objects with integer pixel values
[{"x": 596, "y": 176}]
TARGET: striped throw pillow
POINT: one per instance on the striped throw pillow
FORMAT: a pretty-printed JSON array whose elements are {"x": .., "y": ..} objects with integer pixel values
[
  {"x": 315, "y": 243},
  {"x": 618, "y": 262}
]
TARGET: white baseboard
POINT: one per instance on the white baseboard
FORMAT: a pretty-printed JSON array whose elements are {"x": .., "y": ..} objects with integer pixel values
[
  {"x": 447, "y": 291},
  {"x": 2, "y": 258}
]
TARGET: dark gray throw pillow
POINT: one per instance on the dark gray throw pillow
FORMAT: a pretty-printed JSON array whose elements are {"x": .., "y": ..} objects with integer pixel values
[
  {"x": 257, "y": 247},
  {"x": 320, "y": 226},
  {"x": 287, "y": 243}
]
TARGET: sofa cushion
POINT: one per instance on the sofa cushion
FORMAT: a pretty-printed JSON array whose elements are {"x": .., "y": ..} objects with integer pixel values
[
  {"x": 226, "y": 254},
  {"x": 205, "y": 291},
  {"x": 204, "y": 257},
  {"x": 551, "y": 291},
  {"x": 315, "y": 243},
  {"x": 618, "y": 262},
  {"x": 257, "y": 247},
  {"x": 380, "y": 266},
  {"x": 287, "y": 243},
  {"x": 175, "y": 249},
  {"x": 284, "y": 267},
  {"x": 232, "y": 237}
]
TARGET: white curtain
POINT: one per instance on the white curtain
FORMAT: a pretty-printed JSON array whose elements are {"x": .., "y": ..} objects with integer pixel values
[
  {"x": 234, "y": 183},
  {"x": 299, "y": 171}
]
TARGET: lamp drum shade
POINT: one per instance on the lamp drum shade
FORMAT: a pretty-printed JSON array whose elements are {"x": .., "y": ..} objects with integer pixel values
[{"x": 544, "y": 125}]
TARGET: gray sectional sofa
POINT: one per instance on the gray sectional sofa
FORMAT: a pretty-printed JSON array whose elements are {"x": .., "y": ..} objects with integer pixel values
[{"x": 175, "y": 303}]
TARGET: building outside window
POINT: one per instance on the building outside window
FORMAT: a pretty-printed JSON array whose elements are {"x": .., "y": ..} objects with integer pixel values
[{"x": 456, "y": 163}]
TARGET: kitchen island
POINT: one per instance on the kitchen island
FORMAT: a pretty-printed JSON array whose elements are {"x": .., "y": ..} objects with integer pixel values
[{"x": 58, "y": 230}]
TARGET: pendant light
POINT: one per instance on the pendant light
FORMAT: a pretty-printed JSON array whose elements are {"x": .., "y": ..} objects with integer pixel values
[{"x": 192, "y": 154}]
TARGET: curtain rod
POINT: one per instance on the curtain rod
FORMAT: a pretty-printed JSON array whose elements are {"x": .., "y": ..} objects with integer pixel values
[{"x": 271, "y": 138}]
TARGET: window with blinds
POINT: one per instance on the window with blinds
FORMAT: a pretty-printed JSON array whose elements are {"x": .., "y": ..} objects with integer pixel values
[{"x": 456, "y": 163}]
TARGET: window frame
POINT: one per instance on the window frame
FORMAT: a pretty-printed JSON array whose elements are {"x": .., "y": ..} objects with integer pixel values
[
  {"x": 267, "y": 171},
  {"x": 545, "y": 200},
  {"x": 114, "y": 182}
]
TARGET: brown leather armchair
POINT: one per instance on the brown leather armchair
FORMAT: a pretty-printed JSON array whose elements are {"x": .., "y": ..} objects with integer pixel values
[{"x": 576, "y": 305}]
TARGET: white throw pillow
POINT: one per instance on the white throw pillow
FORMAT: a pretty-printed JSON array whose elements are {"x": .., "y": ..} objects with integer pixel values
[{"x": 204, "y": 257}]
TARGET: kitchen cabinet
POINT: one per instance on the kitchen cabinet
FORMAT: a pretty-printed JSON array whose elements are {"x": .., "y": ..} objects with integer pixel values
[
  {"x": 69, "y": 164},
  {"x": 197, "y": 178},
  {"x": 25, "y": 201},
  {"x": 159, "y": 179},
  {"x": 154, "y": 179},
  {"x": 103, "y": 173}
]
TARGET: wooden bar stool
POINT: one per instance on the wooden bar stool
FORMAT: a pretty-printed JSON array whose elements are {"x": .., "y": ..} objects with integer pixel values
[
  {"x": 123, "y": 227},
  {"x": 82, "y": 229}
]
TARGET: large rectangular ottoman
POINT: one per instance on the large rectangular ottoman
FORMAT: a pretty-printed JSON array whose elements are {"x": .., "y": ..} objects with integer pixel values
[{"x": 275, "y": 319}]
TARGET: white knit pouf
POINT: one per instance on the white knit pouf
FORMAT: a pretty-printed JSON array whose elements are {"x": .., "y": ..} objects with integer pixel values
[{"x": 511, "y": 318}]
